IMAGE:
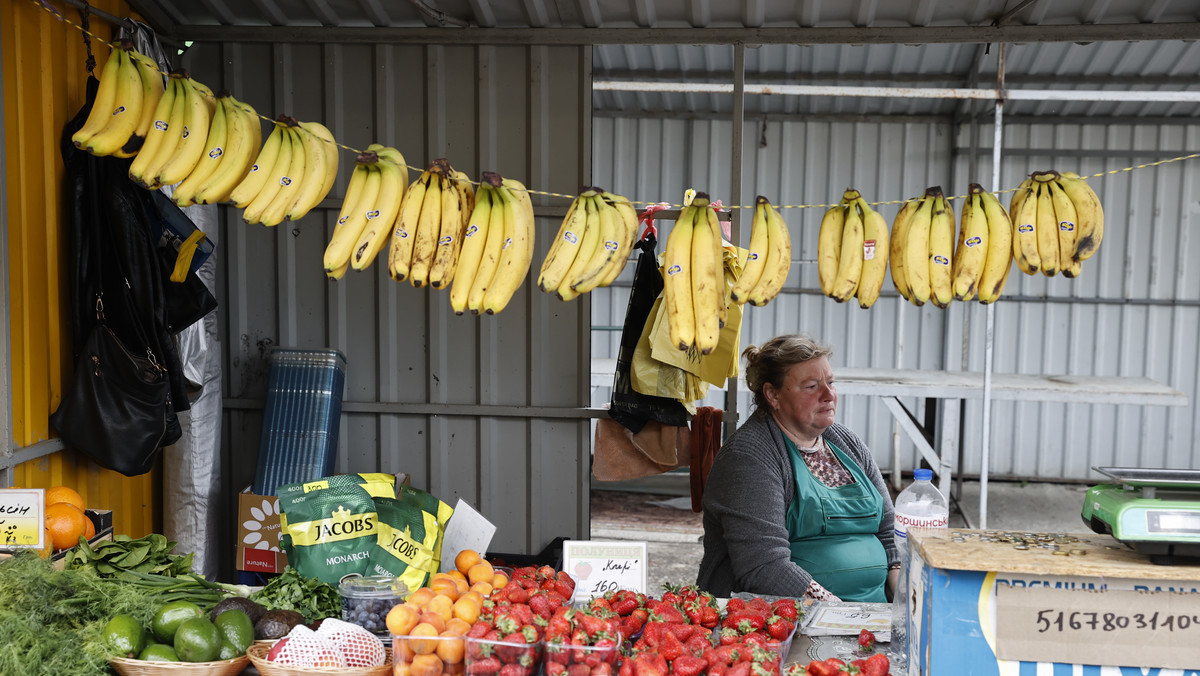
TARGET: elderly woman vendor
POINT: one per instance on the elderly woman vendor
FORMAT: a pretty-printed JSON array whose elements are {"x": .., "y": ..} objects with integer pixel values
[{"x": 794, "y": 504}]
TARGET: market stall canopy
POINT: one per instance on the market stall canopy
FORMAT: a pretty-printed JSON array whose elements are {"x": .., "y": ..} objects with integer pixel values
[{"x": 1120, "y": 45}]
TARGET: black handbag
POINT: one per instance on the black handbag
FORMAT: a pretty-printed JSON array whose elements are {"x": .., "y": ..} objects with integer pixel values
[{"x": 117, "y": 408}]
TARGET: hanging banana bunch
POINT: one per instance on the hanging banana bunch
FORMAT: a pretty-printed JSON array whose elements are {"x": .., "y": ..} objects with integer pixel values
[
  {"x": 1058, "y": 223},
  {"x": 592, "y": 244},
  {"x": 123, "y": 110},
  {"x": 852, "y": 251},
  {"x": 983, "y": 256},
  {"x": 497, "y": 247},
  {"x": 769, "y": 258}
]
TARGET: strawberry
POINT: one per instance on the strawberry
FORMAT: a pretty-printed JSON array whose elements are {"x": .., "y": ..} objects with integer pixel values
[
  {"x": 602, "y": 669},
  {"x": 688, "y": 665},
  {"x": 728, "y": 636},
  {"x": 866, "y": 641},
  {"x": 555, "y": 668},
  {"x": 739, "y": 669},
  {"x": 735, "y": 604},
  {"x": 543, "y": 604},
  {"x": 755, "y": 638},
  {"x": 718, "y": 669},
  {"x": 630, "y": 626},
  {"x": 626, "y": 668},
  {"x": 514, "y": 593},
  {"x": 667, "y": 613},
  {"x": 625, "y": 605},
  {"x": 709, "y": 617},
  {"x": 484, "y": 666},
  {"x": 515, "y": 670},
  {"x": 828, "y": 667},
  {"x": 698, "y": 643},
  {"x": 670, "y": 646},
  {"x": 649, "y": 664},
  {"x": 785, "y": 608},
  {"x": 877, "y": 665},
  {"x": 781, "y": 629}
]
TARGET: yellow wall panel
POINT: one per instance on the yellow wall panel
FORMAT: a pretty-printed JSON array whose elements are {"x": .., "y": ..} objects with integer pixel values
[{"x": 44, "y": 86}]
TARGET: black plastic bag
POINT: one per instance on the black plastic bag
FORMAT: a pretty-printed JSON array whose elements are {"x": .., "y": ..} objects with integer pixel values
[{"x": 633, "y": 409}]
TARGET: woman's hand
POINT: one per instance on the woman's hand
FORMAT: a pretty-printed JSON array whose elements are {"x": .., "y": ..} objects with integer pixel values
[{"x": 893, "y": 579}]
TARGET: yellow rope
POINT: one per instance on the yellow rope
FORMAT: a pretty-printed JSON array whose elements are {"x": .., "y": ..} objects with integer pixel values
[{"x": 356, "y": 151}]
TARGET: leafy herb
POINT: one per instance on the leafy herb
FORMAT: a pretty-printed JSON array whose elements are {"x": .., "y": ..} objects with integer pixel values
[
  {"x": 312, "y": 598},
  {"x": 148, "y": 554}
]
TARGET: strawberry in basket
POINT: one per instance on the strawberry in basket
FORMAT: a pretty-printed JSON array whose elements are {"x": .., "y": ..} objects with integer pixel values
[
  {"x": 628, "y": 605},
  {"x": 582, "y": 642}
]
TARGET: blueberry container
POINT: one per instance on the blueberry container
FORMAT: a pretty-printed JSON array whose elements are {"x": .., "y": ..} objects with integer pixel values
[{"x": 367, "y": 600}]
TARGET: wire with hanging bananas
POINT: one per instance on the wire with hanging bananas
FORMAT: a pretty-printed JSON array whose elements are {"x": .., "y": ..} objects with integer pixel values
[
  {"x": 768, "y": 260},
  {"x": 852, "y": 250},
  {"x": 497, "y": 245},
  {"x": 122, "y": 112},
  {"x": 592, "y": 244},
  {"x": 1058, "y": 223}
]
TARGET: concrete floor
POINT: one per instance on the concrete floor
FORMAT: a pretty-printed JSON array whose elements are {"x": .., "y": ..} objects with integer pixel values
[{"x": 673, "y": 538}]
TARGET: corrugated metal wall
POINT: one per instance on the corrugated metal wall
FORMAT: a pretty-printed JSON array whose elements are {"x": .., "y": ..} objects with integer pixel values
[
  {"x": 1133, "y": 312},
  {"x": 44, "y": 85},
  {"x": 420, "y": 380}
]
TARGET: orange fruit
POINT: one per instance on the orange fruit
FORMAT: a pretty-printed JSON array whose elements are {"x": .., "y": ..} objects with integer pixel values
[
  {"x": 465, "y": 559},
  {"x": 421, "y": 596},
  {"x": 499, "y": 580},
  {"x": 64, "y": 524},
  {"x": 466, "y": 608},
  {"x": 481, "y": 572},
  {"x": 450, "y": 648},
  {"x": 457, "y": 626},
  {"x": 426, "y": 664},
  {"x": 90, "y": 531},
  {"x": 458, "y": 575},
  {"x": 442, "y": 605},
  {"x": 401, "y": 668},
  {"x": 422, "y": 640},
  {"x": 433, "y": 619},
  {"x": 401, "y": 619},
  {"x": 482, "y": 588},
  {"x": 65, "y": 494},
  {"x": 444, "y": 585},
  {"x": 402, "y": 652}
]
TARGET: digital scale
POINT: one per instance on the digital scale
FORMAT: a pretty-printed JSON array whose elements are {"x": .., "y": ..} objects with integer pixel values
[{"x": 1154, "y": 511}]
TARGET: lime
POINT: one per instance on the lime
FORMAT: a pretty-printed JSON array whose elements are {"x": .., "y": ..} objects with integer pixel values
[
  {"x": 159, "y": 652},
  {"x": 229, "y": 651},
  {"x": 125, "y": 635},
  {"x": 170, "y": 616},
  {"x": 236, "y": 629},
  {"x": 197, "y": 640}
]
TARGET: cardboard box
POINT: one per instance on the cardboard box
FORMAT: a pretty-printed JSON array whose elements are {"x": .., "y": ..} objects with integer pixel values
[
  {"x": 258, "y": 534},
  {"x": 1104, "y": 613}
]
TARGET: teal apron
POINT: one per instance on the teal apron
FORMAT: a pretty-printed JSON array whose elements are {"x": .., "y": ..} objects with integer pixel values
[{"x": 833, "y": 531}]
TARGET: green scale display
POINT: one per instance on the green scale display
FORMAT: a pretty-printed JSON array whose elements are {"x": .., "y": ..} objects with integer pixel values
[{"x": 1154, "y": 511}]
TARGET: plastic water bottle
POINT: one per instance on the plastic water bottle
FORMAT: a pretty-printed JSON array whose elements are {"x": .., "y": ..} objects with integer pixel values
[{"x": 921, "y": 505}]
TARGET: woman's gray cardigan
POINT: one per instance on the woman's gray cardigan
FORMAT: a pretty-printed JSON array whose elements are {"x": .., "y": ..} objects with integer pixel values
[{"x": 745, "y": 503}]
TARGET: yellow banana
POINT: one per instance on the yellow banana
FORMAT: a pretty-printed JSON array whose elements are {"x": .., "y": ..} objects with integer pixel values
[
  {"x": 516, "y": 252},
  {"x": 708, "y": 276},
  {"x": 260, "y": 172},
  {"x": 1047, "y": 227},
  {"x": 897, "y": 247},
  {"x": 564, "y": 247},
  {"x": 941, "y": 249},
  {"x": 185, "y": 193},
  {"x": 588, "y": 245},
  {"x": 1089, "y": 215},
  {"x": 677, "y": 280},
  {"x": 144, "y": 166},
  {"x": 428, "y": 227},
  {"x": 381, "y": 216},
  {"x": 193, "y": 136},
  {"x": 779, "y": 259},
  {"x": 875, "y": 255},
  {"x": 851, "y": 259},
  {"x": 102, "y": 105},
  {"x": 971, "y": 252},
  {"x": 1023, "y": 212},
  {"x": 126, "y": 110},
  {"x": 350, "y": 220},
  {"x": 756, "y": 258},
  {"x": 628, "y": 225},
  {"x": 490, "y": 257},
  {"x": 829, "y": 247},
  {"x": 152, "y": 90},
  {"x": 1000, "y": 247},
  {"x": 449, "y": 231},
  {"x": 275, "y": 178},
  {"x": 471, "y": 253},
  {"x": 243, "y": 138},
  {"x": 466, "y": 206},
  {"x": 608, "y": 247},
  {"x": 916, "y": 250},
  {"x": 405, "y": 232},
  {"x": 1064, "y": 217},
  {"x": 320, "y": 169}
]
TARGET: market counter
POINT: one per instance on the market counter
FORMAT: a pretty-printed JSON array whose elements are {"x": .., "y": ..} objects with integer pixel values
[{"x": 1001, "y": 602}]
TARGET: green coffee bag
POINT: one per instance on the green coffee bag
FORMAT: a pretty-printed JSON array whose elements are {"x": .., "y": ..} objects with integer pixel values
[{"x": 332, "y": 532}]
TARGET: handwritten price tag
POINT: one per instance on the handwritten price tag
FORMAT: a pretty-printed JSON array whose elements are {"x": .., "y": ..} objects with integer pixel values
[
  {"x": 21, "y": 518},
  {"x": 600, "y": 567}
]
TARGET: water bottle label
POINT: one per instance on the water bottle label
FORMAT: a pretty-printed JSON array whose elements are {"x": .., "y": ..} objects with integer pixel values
[{"x": 906, "y": 521}]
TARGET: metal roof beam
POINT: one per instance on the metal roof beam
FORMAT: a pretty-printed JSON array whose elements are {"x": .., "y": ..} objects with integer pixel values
[
  {"x": 930, "y": 78},
  {"x": 1124, "y": 32}
]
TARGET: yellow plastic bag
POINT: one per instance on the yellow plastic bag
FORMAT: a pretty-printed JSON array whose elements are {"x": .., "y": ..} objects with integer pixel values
[{"x": 652, "y": 377}]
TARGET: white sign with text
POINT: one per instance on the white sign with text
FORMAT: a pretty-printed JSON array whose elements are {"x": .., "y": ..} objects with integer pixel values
[{"x": 599, "y": 567}]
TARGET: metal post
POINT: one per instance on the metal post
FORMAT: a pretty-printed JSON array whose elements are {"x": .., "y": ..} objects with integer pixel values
[
  {"x": 985, "y": 451},
  {"x": 735, "y": 199}
]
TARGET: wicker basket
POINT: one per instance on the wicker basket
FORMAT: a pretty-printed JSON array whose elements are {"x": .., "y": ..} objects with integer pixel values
[
  {"x": 128, "y": 667},
  {"x": 258, "y": 655}
]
